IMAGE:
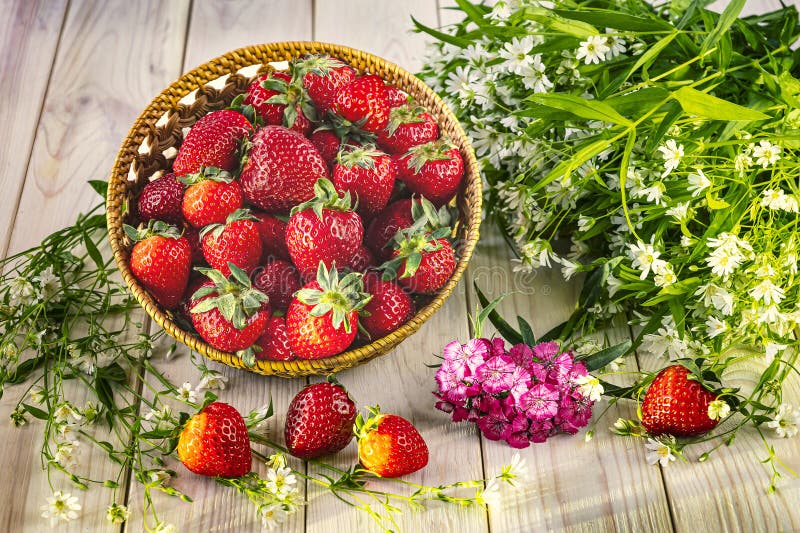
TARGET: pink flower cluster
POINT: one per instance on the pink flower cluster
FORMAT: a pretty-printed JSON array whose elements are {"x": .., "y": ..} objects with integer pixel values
[{"x": 520, "y": 395}]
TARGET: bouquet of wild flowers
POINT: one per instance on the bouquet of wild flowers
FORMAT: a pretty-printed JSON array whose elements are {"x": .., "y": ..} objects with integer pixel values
[{"x": 653, "y": 147}]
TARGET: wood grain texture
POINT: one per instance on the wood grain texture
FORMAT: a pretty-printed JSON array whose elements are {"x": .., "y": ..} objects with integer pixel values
[{"x": 29, "y": 35}]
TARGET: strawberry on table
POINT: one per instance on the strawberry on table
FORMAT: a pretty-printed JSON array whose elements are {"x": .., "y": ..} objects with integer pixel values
[
  {"x": 281, "y": 169},
  {"x": 274, "y": 342},
  {"x": 677, "y": 405},
  {"x": 162, "y": 199},
  {"x": 408, "y": 127},
  {"x": 389, "y": 445},
  {"x": 213, "y": 141},
  {"x": 279, "y": 280},
  {"x": 228, "y": 313},
  {"x": 279, "y": 100},
  {"x": 161, "y": 260},
  {"x": 211, "y": 195},
  {"x": 323, "y": 230},
  {"x": 367, "y": 174},
  {"x": 421, "y": 261},
  {"x": 433, "y": 170},
  {"x": 389, "y": 308},
  {"x": 322, "y": 76},
  {"x": 363, "y": 103},
  {"x": 236, "y": 242},
  {"x": 320, "y": 420},
  {"x": 322, "y": 320},
  {"x": 214, "y": 442}
]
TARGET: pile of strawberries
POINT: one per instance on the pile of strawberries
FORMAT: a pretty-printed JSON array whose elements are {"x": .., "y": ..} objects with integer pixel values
[{"x": 303, "y": 218}]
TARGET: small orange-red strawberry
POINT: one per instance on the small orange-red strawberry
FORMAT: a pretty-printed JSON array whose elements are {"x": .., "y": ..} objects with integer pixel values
[
  {"x": 322, "y": 320},
  {"x": 320, "y": 420},
  {"x": 279, "y": 280},
  {"x": 368, "y": 175},
  {"x": 213, "y": 142},
  {"x": 389, "y": 445},
  {"x": 237, "y": 241},
  {"x": 162, "y": 199},
  {"x": 228, "y": 313},
  {"x": 322, "y": 77},
  {"x": 363, "y": 103},
  {"x": 280, "y": 101},
  {"x": 408, "y": 127},
  {"x": 389, "y": 308},
  {"x": 396, "y": 97},
  {"x": 323, "y": 230},
  {"x": 210, "y": 197},
  {"x": 273, "y": 236},
  {"x": 677, "y": 405},
  {"x": 214, "y": 442},
  {"x": 422, "y": 261},
  {"x": 433, "y": 170},
  {"x": 161, "y": 260},
  {"x": 274, "y": 342},
  {"x": 281, "y": 169}
]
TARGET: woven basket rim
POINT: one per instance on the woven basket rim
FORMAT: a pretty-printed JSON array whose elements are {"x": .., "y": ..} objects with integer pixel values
[{"x": 230, "y": 63}]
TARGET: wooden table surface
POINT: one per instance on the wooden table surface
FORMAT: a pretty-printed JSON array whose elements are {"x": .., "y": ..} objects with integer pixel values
[{"x": 75, "y": 74}]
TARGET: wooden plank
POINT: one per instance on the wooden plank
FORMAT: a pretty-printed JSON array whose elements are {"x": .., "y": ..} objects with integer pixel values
[
  {"x": 399, "y": 381},
  {"x": 601, "y": 485},
  {"x": 29, "y": 33},
  {"x": 96, "y": 91}
]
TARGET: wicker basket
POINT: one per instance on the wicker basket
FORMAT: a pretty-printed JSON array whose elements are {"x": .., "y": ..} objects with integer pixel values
[{"x": 158, "y": 131}]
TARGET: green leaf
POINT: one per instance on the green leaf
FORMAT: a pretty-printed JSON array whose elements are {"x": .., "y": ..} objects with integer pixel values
[
  {"x": 704, "y": 105},
  {"x": 505, "y": 330},
  {"x": 527, "y": 332},
  {"x": 92, "y": 250},
  {"x": 647, "y": 58},
  {"x": 441, "y": 36},
  {"x": 473, "y": 12},
  {"x": 715, "y": 203},
  {"x": 581, "y": 107},
  {"x": 726, "y": 20},
  {"x": 36, "y": 412},
  {"x": 100, "y": 187},
  {"x": 568, "y": 164},
  {"x": 24, "y": 370},
  {"x": 604, "y": 18},
  {"x": 560, "y": 24},
  {"x": 633, "y": 103},
  {"x": 598, "y": 360}
]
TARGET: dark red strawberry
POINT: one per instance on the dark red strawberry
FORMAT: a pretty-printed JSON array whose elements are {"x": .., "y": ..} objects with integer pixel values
[
  {"x": 327, "y": 142},
  {"x": 399, "y": 215},
  {"x": 196, "y": 280},
  {"x": 281, "y": 170},
  {"x": 192, "y": 235},
  {"x": 422, "y": 261},
  {"x": 279, "y": 101},
  {"x": 389, "y": 308},
  {"x": 395, "y": 97},
  {"x": 162, "y": 199},
  {"x": 363, "y": 102},
  {"x": 237, "y": 241},
  {"x": 362, "y": 261},
  {"x": 408, "y": 127},
  {"x": 324, "y": 230},
  {"x": 213, "y": 142},
  {"x": 389, "y": 445},
  {"x": 279, "y": 280},
  {"x": 210, "y": 197},
  {"x": 322, "y": 77},
  {"x": 677, "y": 405},
  {"x": 368, "y": 175},
  {"x": 320, "y": 420},
  {"x": 433, "y": 170},
  {"x": 161, "y": 260},
  {"x": 214, "y": 442},
  {"x": 273, "y": 236},
  {"x": 274, "y": 342},
  {"x": 322, "y": 320},
  {"x": 228, "y": 313}
]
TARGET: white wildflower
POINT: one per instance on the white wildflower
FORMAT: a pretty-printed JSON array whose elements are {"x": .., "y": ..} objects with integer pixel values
[
  {"x": 534, "y": 78},
  {"x": 117, "y": 514},
  {"x": 568, "y": 268},
  {"x": 490, "y": 496},
  {"x": 771, "y": 349},
  {"x": 715, "y": 326},
  {"x": 768, "y": 292},
  {"x": 64, "y": 411},
  {"x": 20, "y": 292},
  {"x": 459, "y": 82},
  {"x": 37, "y": 395},
  {"x": 672, "y": 153},
  {"x": 698, "y": 182},
  {"x": 718, "y": 409},
  {"x": 686, "y": 242},
  {"x": 717, "y": 297},
  {"x": 680, "y": 212},
  {"x": 49, "y": 284},
  {"x": 658, "y": 453},
  {"x": 273, "y": 516},
  {"x": 593, "y": 49},
  {"x": 60, "y": 507},
  {"x": 280, "y": 481},
  {"x": 186, "y": 394},
  {"x": 766, "y": 153},
  {"x": 642, "y": 257},
  {"x": 517, "y": 54},
  {"x": 613, "y": 284},
  {"x": 66, "y": 454},
  {"x": 742, "y": 162},
  {"x": 616, "y": 45},
  {"x": 765, "y": 271},
  {"x": 164, "y": 527},
  {"x": 212, "y": 380},
  {"x": 664, "y": 275},
  {"x": 786, "y": 421},
  {"x": 516, "y": 472},
  {"x": 654, "y": 193},
  {"x": 665, "y": 341},
  {"x": 723, "y": 262},
  {"x": 590, "y": 387}
]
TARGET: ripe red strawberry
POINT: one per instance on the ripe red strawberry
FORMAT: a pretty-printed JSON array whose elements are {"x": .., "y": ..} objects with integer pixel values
[
  {"x": 389, "y": 308},
  {"x": 161, "y": 260},
  {"x": 274, "y": 342},
  {"x": 362, "y": 261},
  {"x": 230, "y": 314},
  {"x": 237, "y": 241},
  {"x": 192, "y": 235},
  {"x": 389, "y": 445},
  {"x": 323, "y": 230},
  {"x": 677, "y": 405},
  {"x": 322, "y": 320},
  {"x": 408, "y": 127},
  {"x": 162, "y": 199},
  {"x": 214, "y": 442},
  {"x": 400, "y": 215},
  {"x": 367, "y": 174},
  {"x": 273, "y": 236},
  {"x": 281, "y": 170},
  {"x": 363, "y": 102},
  {"x": 279, "y": 280},
  {"x": 279, "y": 101},
  {"x": 320, "y": 420},
  {"x": 434, "y": 170},
  {"x": 327, "y": 142},
  {"x": 423, "y": 260},
  {"x": 196, "y": 280},
  {"x": 322, "y": 77},
  {"x": 212, "y": 142},
  {"x": 210, "y": 197},
  {"x": 395, "y": 97}
]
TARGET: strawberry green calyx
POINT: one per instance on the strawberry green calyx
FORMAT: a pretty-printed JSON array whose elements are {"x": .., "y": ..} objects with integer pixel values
[
  {"x": 207, "y": 173},
  {"x": 362, "y": 156},
  {"x": 234, "y": 297},
  {"x": 247, "y": 110},
  {"x": 326, "y": 197},
  {"x": 410, "y": 245},
  {"x": 339, "y": 297},
  {"x": 217, "y": 229},
  {"x": 292, "y": 95},
  {"x": 154, "y": 228},
  {"x": 364, "y": 426},
  {"x": 404, "y": 115},
  {"x": 321, "y": 65},
  {"x": 427, "y": 217},
  {"x": 347, "y": 130},
  {"x": 432, "y": 151}
]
